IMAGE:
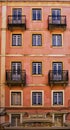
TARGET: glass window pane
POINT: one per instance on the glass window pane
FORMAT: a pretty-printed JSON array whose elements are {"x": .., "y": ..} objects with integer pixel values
[
  {"x": 33, "y": 14},
  {"x": 39, "y": 14},
  {"x": 60, "y": 98},
  {"x": 39, "y": 69},
  {"x": 34, "y": 40},
  {"x": 40, "y": 99},
  {"x": 33, "y": 98},
  {"x": 53, "y": 40},
  {"x": 59, "y": 40},
  {"x": 34, "y": 68}
]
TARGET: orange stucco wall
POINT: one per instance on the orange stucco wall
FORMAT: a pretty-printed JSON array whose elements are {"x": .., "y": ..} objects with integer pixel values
[{"x": 46, "y": 54}]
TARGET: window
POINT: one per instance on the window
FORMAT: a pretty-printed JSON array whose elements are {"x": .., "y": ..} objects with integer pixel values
[
  {"x": 16, "y": 71},
  {"x": 36, "y": 98},
  {"x": 57, "y": 98},
  {"x": 56, "y": 40},
  {"x": 16, "y": 98},
  {"x": 16, "y": 40},
  {"x": 15, "y": 119},
  {"x": 17, "y": 15},
  {"x": 36, "y": 14},
  {"x": 37, "y": 68},
  {"x": 36, "y": 39}
]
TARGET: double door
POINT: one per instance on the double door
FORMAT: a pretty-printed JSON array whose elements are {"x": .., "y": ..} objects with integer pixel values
[
  {"x": 57, "y": 70},
  {"x": 17, "y": 15},
  {"x": 16, "y": 71},
  {"x": 56, "y": 16}
]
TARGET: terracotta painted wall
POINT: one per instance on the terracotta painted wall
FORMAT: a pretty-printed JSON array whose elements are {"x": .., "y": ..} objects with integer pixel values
[{"x": 46, "y": 49}]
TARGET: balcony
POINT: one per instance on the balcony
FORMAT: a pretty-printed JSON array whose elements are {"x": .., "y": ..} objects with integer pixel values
[
  {"x": 58, "y": 78},
  {"x": 56, "y": 22},
  {"x": 15, "y": 78},
  {"x": 16, "y": 22}
]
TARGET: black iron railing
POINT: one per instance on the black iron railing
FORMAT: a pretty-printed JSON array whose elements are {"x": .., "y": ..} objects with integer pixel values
[
  {"x": 56, "y": 21},
  {"x": 58, "y": 77},
  {"x": 16, "y": 21},
  {"x": 16, "y": 77}
]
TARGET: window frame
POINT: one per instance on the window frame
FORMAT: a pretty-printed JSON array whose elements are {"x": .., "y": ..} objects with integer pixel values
[
  {"x": 36, "y": 67},
  {"x": 56, "y": 37},
  {"x": 15, "y": 37},
  {"x": 21, "y": 98},
  {"x": 36, "y": 39},
  {"x": 37, "y": 13}
]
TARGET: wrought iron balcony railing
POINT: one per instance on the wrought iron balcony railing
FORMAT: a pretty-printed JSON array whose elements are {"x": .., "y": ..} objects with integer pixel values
[
  {"x": 16, "y": 22},
  {"x": 58, "y": 77},
  {"x": 56, "y": 22},
  {"x": 15, "y": 77}
]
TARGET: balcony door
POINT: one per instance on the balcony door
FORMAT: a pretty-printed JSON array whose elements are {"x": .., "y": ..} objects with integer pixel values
[
  {"x": 16, "y": 71},
  {"x": 56, "y": 13},
  {"x": 57, "y": 70},
  {"x": 17, "y": 15}
]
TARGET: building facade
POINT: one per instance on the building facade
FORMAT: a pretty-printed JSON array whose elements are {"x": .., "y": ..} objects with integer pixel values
[{"x": 35, "y": 63}]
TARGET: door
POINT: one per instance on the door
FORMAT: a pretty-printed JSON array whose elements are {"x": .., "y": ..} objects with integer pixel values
[
  {"x": 56, "y": 16},
  {"x": 15, "y": 120},
  {"x": 57, "y": 71},
  {"x": 58, "y": 120},
  {"x": 16, "y": 71},
  {"x": 17, "y": 15}
]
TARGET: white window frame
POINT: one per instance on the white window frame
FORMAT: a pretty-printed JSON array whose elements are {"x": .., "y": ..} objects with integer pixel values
[
  {"x": 21, "y": 98},
  {"x": 37, "y": 91},
  {"x": 58, "y": 105}
]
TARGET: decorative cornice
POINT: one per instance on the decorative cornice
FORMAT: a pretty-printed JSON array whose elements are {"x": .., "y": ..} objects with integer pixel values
[{"x": 35, "y": 55}]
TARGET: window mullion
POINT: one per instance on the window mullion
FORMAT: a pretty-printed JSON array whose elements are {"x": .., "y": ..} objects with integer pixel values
[
  {"x": 36, "y": 39},
  {"x": 37, "y": 98},
  {"x": 37, "y": 68}
]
